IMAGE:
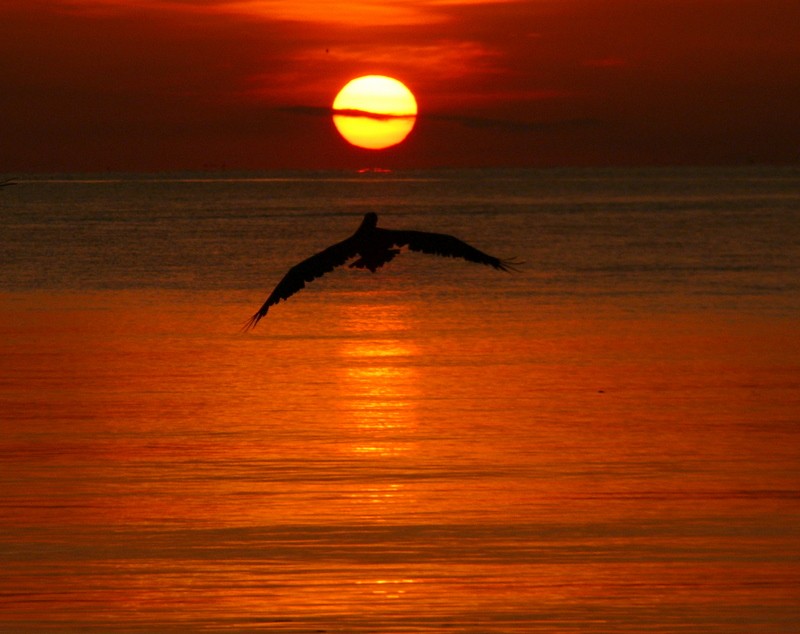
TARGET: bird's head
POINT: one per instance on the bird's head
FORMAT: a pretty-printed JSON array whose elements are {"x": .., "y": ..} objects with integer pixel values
[{"x": 370, "y": 221}]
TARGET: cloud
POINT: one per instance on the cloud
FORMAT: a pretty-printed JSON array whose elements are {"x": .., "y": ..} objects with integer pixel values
[
  {"x": 467, "y": 121},
  {"x": 605, "y": 62},
  {"x": 317, "y": 111}
]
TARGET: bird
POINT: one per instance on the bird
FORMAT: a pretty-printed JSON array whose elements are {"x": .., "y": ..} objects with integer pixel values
[{"x": 373, "y": 247}]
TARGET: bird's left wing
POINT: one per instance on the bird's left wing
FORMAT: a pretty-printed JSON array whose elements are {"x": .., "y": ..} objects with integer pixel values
[
  {"x": 306, "y": 271},
  {"x": 445, "y": 245}
]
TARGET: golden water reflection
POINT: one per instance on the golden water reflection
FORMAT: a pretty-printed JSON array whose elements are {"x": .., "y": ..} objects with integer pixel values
[
  {"x": 379, "y": 392},
  {"x": 162, "y": 478},
  {"x": 378, "y": 378}
]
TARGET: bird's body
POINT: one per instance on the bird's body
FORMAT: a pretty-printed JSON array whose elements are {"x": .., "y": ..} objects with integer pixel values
[{"x": 373, "y": 248}]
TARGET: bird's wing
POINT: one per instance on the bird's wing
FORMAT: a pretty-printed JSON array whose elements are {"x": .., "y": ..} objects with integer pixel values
[
  {"x": 306, "y": 271},
  {"x": 445, "y": 245}
]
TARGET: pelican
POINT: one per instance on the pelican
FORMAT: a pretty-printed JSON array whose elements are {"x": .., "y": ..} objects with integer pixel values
[{"x": 374, "y": 248}]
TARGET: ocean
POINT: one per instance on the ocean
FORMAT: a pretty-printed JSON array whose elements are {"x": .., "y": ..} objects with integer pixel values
[{"x": 607, "y": 440}]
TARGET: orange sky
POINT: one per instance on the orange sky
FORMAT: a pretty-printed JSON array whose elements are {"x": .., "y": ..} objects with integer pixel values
[{"x": 98, "y": 85}]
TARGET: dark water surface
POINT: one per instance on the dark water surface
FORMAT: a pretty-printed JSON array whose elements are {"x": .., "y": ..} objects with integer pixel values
[{"x": 608, "y": 441}]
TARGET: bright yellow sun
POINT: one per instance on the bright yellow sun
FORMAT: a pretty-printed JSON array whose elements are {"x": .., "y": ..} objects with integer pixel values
[{"x": 374, "y": 112}]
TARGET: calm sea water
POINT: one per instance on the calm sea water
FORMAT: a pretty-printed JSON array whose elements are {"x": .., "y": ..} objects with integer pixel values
[{"x": 608, "y": 441}]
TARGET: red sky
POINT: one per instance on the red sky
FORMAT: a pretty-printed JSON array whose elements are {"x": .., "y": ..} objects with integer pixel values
[{"x": 100, "y": 85}]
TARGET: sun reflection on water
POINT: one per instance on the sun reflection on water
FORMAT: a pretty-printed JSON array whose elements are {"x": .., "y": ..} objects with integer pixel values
[
  {"x": 379, "y": 381},
  {"x": 387, "y": 588},
  {"x": 379, "y": 387}
]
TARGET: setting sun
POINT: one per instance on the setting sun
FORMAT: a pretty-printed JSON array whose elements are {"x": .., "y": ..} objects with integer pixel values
[{"x": 374, "y": 112}]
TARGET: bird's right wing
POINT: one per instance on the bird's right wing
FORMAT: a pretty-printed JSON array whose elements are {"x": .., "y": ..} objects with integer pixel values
[
  {"x": 447, "y": 246},
  {"x": 306, "y": 271}
]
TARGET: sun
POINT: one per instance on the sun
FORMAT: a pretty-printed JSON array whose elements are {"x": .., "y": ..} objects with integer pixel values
[{"x": 374, "y": 112}]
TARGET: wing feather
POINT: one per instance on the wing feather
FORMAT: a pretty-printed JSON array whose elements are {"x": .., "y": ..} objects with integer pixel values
[
  {"x": 306, "y": 271},
  {"x": 445, "y": 245}
]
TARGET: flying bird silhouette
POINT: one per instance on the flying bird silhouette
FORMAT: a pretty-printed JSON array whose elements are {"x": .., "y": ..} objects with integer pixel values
[{"x": 374, "y": 248}]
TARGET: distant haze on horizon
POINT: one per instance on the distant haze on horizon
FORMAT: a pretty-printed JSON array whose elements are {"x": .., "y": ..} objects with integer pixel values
[{"x": 116, "y": 85}]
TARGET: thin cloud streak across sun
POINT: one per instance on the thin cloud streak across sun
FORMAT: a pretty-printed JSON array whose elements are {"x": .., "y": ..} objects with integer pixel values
[{"x": 469, "y": 121}]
